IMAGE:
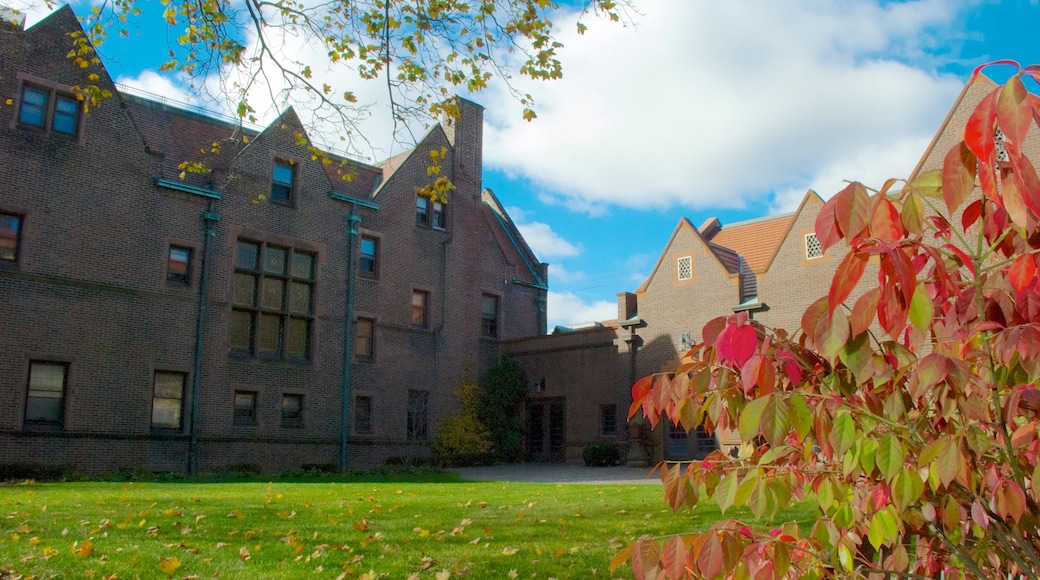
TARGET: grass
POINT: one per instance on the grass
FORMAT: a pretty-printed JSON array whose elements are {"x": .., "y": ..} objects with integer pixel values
[{"x": 328, "y": 529}]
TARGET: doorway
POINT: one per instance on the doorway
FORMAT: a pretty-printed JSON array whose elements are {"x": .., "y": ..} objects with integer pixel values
[{"x": 546, "y": 429}]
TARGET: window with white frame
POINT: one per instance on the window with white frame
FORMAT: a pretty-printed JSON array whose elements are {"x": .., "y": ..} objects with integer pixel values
[
  {"x": 684, "y": 268},
  {"x": 813, "y": 249}
]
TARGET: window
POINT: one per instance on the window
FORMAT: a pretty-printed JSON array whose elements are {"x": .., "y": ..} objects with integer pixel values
[
  {"x": 168, "y": 400},
  {"x": 178, "y": 265},
  {"x": 369, "y": 265},
  {"x": 438, "y": 215},
  {"x": 292, "y": 410},
  {"x": 420, "y": 299},
  {"x": 489, "y": 316},
  {"x": 364, "y": 333},
  {"x": 245, "y": 408},
  {"x": 10, "y": 234},
  {"x": 282, "y": 181},
  {"x": 417, "y": 415},
  {"x": 608, "y": 420},
  {"x": 422, "y": 210},
  {"x": 813, "y": 249},
  {"x": 45, "y": 400},
  {"x": 49, "y": 110},
  {"x": 273, "y": 301},
  {"x": 363, "y": 415},
  {"x": 685, "y": 268}
]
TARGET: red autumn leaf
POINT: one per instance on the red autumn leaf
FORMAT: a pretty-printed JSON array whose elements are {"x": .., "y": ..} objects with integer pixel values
[
  {"x": 673, "y": 558},
  {"x": 737, "y": 343},
  {"x": 1022, "y": 272},
  {"x": 749, "y": 373},
  {"x": 812, "y": 315},
  {"x": 845, "y": 279},
  {"x": 958, "y": 176},
  {"x": 885, "y": 223},
  {"x": 1028, "y": 182},
  {"x": 971, "y": 214},
  {"x": 639, "y": 392},
  {"x": 826, "y": 227},
  {"x": 712, "y": 329},
  {"x": 852, "y": 209},
  {"x": 1014, "y": 113},
  {"x": 979, "y": 131},
  {"x": 1014, "y": 204},
  {"x": 710, "y": 558},
  {"x": 864, "y": 310}
]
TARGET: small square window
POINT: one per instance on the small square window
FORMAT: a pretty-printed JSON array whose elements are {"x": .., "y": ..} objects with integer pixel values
[
  {"x": 10, "y": 235},
  {"x": 489, "y": 316},
  {"x": 282, "y": 181},
  {"x": 813, "y": 249},
  {"x": 369, "y": 264},
  {"x": 422, "y": 210},
  {"x": 245, "y": 408},
  {"x": 439, "y": 220},
  {"x": 363, "y": 415},
  {"x": 45, "y": 397},
  {"x": 168, "y": 400},
  {"x": 364, "y": 335},
  {"x": 685, "y": 268},
  {"x": 178, "y": 265},
  {"x": 292, "y": 410},
  {"x": 420, "y": 301},
  {"x": 608, "y": 420}
]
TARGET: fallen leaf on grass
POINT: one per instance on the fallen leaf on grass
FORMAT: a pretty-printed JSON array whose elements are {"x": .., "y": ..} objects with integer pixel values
[
  {"x": 168, "y": 565},
  {"x": 507, "y": 551}
]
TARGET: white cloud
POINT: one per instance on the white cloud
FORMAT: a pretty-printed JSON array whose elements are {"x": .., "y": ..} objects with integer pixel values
[
  {"x": 566, "y": 308},
  {"x": 559, "y": 274},
  {"x": 545, "y": 242},
  {"x": 160, "y": 87},
  {"x": 719, "y": 104}
]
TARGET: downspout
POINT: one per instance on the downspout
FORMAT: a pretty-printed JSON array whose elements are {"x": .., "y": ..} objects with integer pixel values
[
  {"x": 209, "y": 220},
  {"x": 348, "y": 340}
]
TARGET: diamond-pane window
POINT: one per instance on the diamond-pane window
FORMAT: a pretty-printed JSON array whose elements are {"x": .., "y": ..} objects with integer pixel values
[
  {"x": 685, "y": 268},
  {"x": 813, "y": 249}
]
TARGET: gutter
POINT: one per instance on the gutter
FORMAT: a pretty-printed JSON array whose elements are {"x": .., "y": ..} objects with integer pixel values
[
  {"x": 538, "y": 279},
  {"x": 187, "y": 188},
  {"x": 209, "y": 220}
]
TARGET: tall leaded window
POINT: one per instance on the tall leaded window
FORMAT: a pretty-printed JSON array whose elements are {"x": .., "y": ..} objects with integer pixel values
[
  {"x": 422, "y": 210},
  {"x": 45, "y": 396},
  {"x": 282, "y": 178},
  {"x": 489, "y": 316},
  {"x": 439, "y": 220},
  {"x": 10, "y": 237},
  {"x": 420, "y": 308},
  {"x": 363, "y": 415},
  {"x": 168, "y": 400},
  {"x": 418, "y": 415},
  {"x": 369, "y": 263},
  {"x": 608, "y": 420},
  {"x": 364, "y": 335},
  {"x": 273, "y": 301}
]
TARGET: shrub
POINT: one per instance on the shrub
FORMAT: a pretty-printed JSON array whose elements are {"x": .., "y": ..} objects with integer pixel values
[
  {"x": 601, "y": 455},
  {"x": 501, "y": 410},
  {"x": 463, "y": 440},
  {"x": 35, "y": 472}
]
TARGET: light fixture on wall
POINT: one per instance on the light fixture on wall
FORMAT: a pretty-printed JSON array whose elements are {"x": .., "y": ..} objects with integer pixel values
[
  {"x": 685, "y": 342},
  {"x": 539, "y": 385}
]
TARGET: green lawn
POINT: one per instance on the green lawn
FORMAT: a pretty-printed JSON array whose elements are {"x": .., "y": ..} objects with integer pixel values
[{"x": 303, "y": 529}]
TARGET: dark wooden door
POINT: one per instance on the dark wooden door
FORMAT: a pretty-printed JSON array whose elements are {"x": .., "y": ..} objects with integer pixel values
[{"x": 546, "y": 429}]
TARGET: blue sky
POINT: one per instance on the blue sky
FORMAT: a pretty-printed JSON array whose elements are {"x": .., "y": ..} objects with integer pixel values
[{"x": 730, "y": 109}]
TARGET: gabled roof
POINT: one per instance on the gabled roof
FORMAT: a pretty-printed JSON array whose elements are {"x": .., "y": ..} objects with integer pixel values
[
  {"x": 976, "y": 79},
  {"x": 512, "y": 243},
  {"x": 390, "y": 166},
  {"x": 757, "y": 240},
  {"x": 723, "y": 256}
]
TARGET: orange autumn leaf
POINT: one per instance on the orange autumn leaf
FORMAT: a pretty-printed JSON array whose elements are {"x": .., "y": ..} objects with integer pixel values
[{"x": 168, "y": 565}]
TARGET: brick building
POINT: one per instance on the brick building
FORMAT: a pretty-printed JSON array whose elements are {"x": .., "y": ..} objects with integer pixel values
[
  {"x": 164, "y": 321},
  {"x": 772, "y": 268}
]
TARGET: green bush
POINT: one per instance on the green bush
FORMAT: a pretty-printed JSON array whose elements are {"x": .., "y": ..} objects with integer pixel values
[
  {"x": 500, "y": 408},
  {"x": 36, "y": 472},
  {"x": 463, "y": 440},
  {"x": 601, "y": 455}
]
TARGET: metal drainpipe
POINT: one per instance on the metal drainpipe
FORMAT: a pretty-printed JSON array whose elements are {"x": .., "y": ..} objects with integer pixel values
[
  {"x": 352, "y": 221},
  {"x": 209, "y": 219}
]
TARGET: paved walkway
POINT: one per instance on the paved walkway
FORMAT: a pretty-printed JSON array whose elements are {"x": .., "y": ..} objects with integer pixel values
[{"x": 558, "y": 473}]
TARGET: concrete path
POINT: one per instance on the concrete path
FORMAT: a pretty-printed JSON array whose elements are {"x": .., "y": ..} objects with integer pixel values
[{"x": 558, "y": 473}]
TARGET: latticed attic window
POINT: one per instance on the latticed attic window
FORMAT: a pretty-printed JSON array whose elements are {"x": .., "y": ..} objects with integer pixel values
[
  {"x": 813, "y": 249},
  {"x": 998, "y": 142},
  {"x": 685, "y": 268}
]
